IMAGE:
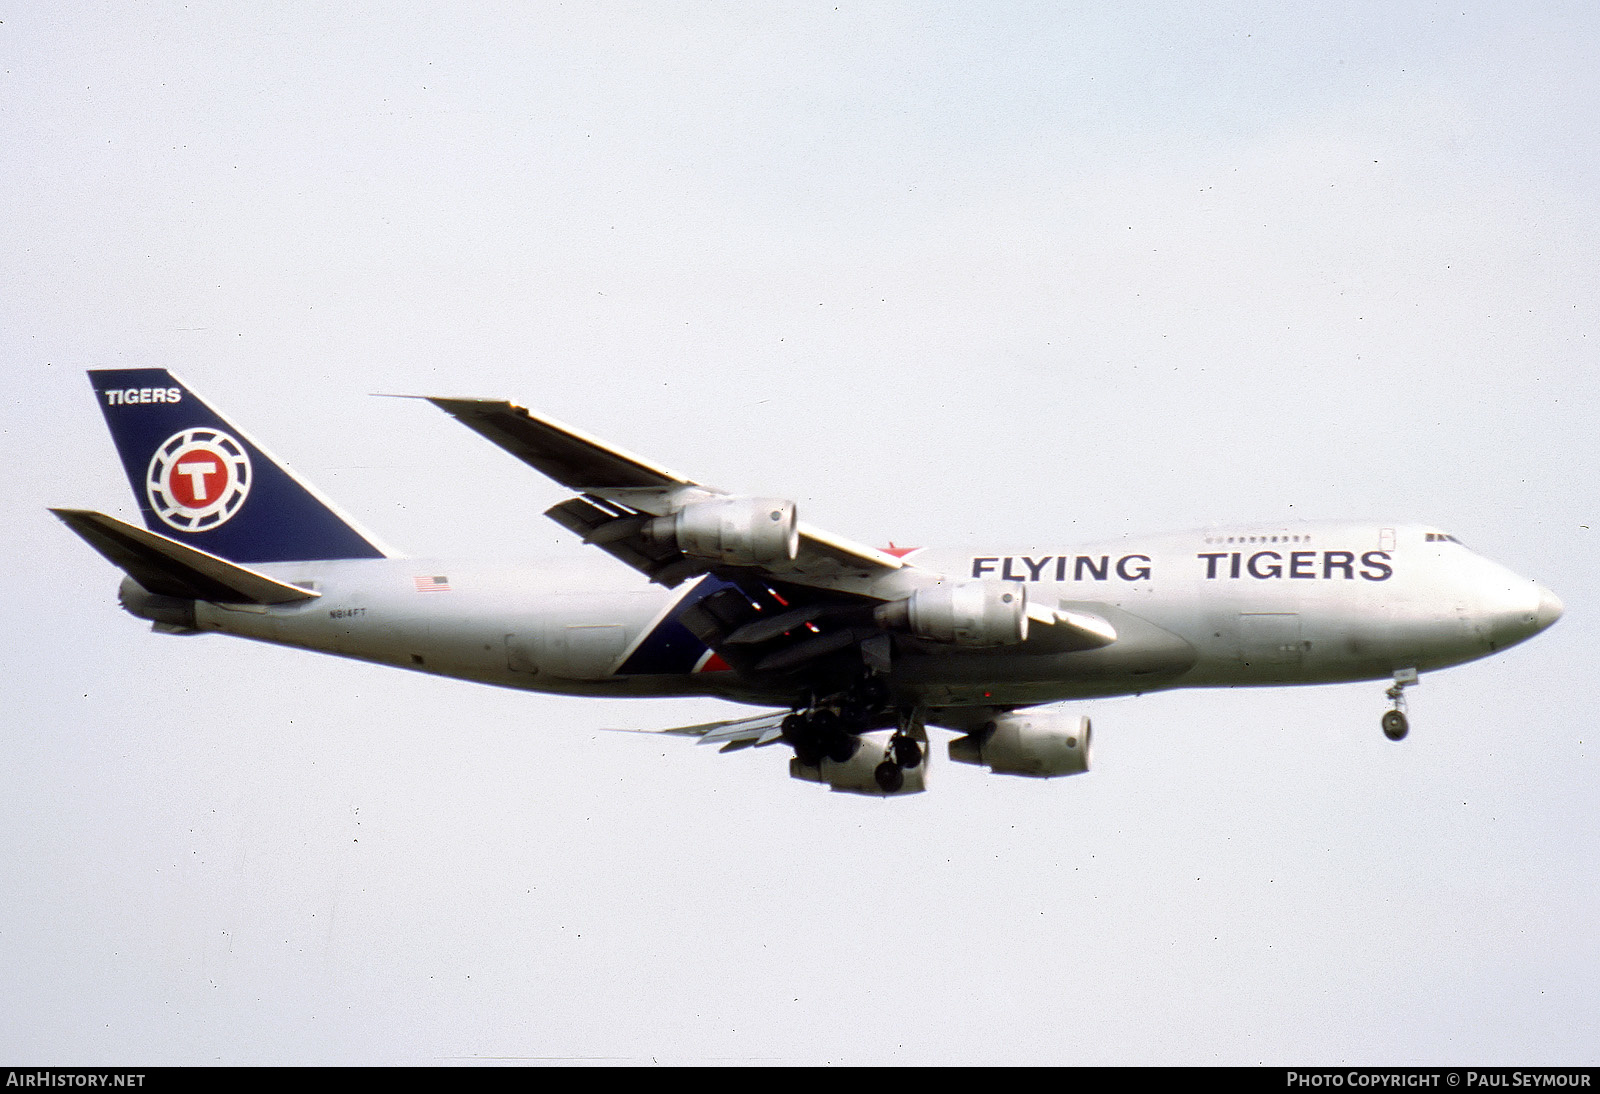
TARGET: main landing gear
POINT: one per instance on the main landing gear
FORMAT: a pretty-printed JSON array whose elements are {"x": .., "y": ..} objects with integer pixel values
[
  {"x": 819, "y": 734},
  {"x": 1395, "y": 726},
  {"x": 831, "y": 730},
  {"x": 903, "y": 754}
]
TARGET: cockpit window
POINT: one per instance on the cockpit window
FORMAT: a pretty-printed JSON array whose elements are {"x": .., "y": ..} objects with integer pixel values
[{"x": 1440, "y": 537}]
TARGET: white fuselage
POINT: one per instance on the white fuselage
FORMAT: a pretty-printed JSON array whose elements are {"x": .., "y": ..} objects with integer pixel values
[{"x": 1313, "y": 603}]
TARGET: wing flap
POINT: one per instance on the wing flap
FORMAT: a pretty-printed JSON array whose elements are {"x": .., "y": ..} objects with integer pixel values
[{"x": 618, "y": 534}]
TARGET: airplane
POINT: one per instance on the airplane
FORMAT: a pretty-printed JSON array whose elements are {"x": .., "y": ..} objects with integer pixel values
[{"x": 857, "y": 650}]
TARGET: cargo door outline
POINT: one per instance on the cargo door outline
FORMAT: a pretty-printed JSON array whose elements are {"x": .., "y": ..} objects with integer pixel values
[
  {"x": 571, "y": 651},
  {"x": 1270, "y": 638}
]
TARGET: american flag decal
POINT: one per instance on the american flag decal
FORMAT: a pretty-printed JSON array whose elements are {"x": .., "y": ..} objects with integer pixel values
[{"x": 439, "y": 584}]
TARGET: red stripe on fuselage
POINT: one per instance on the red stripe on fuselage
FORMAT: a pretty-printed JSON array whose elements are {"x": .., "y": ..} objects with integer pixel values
[{"x": 713, "y": 662}]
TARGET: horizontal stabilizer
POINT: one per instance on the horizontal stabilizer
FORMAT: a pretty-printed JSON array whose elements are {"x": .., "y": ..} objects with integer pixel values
[{"x": 169, "y": 568}]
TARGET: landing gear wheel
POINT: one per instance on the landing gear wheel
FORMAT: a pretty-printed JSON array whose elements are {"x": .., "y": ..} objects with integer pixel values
[
  {"x": 889, "y": 776},
  {"x": 807, "y": 746},
  {"x": 841, "y": 747},
  {"x": 1395, "y": 726},
  {"x": 907, "y": 753}
]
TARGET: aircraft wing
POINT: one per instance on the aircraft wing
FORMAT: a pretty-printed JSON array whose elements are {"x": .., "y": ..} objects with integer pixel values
[
  {"x": 730, "y": 736},
  {"x": 787, "y": 597},
  {"x": 570, "y": 457},
  {"x": 621, "y": 492}
]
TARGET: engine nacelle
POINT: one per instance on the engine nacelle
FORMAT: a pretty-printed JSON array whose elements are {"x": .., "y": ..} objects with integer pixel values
[
  {"x": 1042, "y": 744},
  {"x": 737, "y": 531},
  {"x": 966, "y": 613},
  {"x": 859, "y": 774}
]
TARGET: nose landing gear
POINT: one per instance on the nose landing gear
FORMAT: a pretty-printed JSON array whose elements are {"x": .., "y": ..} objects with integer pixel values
[{"x": 1395, "y": 726}]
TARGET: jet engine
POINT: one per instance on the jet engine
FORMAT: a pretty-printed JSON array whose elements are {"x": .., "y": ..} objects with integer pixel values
[
  {"x": 1042, "y": 743},
  {"x": 967, "y": 613},
  {"x": 737, "y": 531},
  {"x": 873, "y": 768}
]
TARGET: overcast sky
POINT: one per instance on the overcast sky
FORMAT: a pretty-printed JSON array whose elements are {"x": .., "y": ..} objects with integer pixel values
[{"x": 943, "y": 275}]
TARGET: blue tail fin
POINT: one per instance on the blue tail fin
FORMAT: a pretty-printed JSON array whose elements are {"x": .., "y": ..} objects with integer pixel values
[{"x": 202, "y": 482}]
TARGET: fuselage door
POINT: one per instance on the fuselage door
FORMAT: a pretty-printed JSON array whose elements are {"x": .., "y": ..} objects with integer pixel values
[
  {"x": 1271, "y": 638},
  {"x": 589, "y": 651},
  {"x": 571, "y": 651}
]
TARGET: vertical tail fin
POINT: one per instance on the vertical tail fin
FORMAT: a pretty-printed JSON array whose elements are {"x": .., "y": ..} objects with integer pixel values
[{"x": 204, "y": 483}]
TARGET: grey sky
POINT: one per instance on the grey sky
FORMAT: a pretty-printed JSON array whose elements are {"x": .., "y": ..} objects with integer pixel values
[{"x": 940, "y": 274}]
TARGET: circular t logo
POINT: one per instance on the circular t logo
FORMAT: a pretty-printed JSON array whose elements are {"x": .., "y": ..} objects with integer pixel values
[{"x": 198, "y": 479}]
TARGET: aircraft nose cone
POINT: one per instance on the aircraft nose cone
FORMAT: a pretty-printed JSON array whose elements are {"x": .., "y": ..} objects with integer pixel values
[
  {"x": 1549, "y": 609},
  {"x": 1525, "y": 609}
]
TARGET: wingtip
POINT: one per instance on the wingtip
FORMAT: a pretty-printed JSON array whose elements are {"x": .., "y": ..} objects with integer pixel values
[
  {"x": 454, "y": 404},
  {"x": 68, "y": 515}
]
